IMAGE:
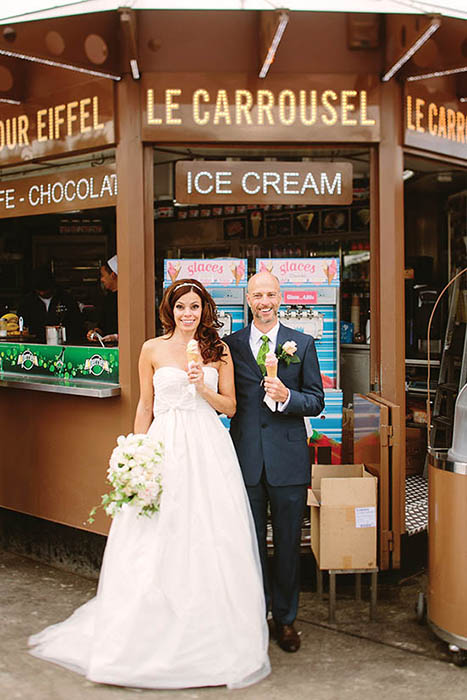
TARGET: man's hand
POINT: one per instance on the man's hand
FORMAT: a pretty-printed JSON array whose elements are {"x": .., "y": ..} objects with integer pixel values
[
  {"x": 110, "y": 338},
  {"x": 275, "y": 389},
  {"x": 90, "y": 335}
]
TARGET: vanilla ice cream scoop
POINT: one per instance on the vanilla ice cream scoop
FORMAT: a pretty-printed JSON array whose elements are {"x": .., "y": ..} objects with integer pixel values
[
  {"x": 270, "y": 362},
  {"x": 192, "y": 351}
]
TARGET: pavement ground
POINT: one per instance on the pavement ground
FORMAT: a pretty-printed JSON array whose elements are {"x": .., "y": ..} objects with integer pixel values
[{"x": 391, "y": 657}]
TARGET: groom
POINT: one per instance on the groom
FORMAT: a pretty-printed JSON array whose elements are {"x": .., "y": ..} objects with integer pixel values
[{"x": 271, "y": 441}]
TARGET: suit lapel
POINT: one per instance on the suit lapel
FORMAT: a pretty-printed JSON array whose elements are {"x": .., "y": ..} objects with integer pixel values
[
  {"x": 245, "y": 350},
  {"x": 281, "y": 336}
]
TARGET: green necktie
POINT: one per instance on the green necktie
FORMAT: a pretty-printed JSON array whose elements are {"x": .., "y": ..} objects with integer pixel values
[{"x": 263, "y": 351}]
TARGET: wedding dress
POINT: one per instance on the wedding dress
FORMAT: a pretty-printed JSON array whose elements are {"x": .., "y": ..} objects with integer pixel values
[{"x": 180, "y": 598}]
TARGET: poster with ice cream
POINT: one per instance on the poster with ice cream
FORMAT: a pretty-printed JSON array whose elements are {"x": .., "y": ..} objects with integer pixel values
[
  {"x": 212, "y": 272},
  {"x": 300, "y": 272}
]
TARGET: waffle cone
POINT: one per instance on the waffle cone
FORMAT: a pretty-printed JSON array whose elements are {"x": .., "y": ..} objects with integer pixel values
[{"x": 271, "y": 371}]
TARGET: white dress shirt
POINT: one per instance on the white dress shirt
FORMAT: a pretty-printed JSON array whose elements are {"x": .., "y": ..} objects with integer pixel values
[{"x": 255, "y": 344}]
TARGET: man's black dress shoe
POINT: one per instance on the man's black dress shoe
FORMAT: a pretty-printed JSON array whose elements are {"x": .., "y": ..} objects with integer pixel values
[{"x": 287, "y": 638}]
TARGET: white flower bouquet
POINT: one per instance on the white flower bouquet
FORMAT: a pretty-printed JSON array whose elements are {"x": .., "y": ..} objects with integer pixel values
[{"x": 134, "y": 476}]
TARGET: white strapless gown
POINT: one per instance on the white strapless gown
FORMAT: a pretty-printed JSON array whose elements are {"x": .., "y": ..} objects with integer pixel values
[{"x": 180, "y": 598}]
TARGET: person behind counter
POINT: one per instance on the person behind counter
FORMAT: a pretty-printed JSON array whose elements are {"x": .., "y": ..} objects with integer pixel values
[
  {"x": 107, "y": 324},
  {"x": 50, "y": 305}
]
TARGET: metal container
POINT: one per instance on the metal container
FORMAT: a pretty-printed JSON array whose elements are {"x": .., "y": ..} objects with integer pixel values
[
  {"x": 447, "y": 551},
  {"x": 55, "y": 335}
]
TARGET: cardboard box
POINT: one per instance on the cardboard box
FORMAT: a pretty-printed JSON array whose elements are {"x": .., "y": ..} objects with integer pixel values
[{"x": 343, "y": 501}]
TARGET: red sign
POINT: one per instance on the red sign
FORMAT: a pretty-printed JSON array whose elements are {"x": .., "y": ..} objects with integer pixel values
[{"x": 300, "y": 297}]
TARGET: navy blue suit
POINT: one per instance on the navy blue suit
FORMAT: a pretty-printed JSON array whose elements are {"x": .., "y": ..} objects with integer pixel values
[{"x": 273, "y": 455}]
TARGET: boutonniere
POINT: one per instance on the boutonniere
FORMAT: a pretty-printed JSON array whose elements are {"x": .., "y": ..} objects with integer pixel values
[{"x": 286, "y": 353}]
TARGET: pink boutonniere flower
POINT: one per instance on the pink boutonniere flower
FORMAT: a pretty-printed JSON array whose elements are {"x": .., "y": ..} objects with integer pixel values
[{"x": 286, "y": 352}]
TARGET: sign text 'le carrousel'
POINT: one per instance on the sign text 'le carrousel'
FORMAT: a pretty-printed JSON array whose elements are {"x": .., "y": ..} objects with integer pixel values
[
  {"x": 436, "y": 122},
  {"x": 90, "y": 188},
  {"x": 271, "y": 182},
  {"x": 259, "y": 107}
]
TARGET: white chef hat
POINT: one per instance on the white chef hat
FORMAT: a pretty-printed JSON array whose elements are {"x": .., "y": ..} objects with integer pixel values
[{"x": 113, "y": 264}]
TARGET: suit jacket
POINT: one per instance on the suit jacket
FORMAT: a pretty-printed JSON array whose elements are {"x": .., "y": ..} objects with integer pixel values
[
  {"x": 37, "y": 317},
  {"x": 276, "y": 440}
]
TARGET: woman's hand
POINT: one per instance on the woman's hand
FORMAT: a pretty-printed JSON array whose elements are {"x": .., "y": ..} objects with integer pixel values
[{"x": 196, "y": 376}]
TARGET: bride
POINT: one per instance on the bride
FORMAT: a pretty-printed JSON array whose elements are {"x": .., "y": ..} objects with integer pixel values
[{"x": 180, "y": 600}]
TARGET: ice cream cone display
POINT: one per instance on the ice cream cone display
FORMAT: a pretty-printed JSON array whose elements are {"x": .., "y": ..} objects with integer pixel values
[
  {"x": 173, "y": 269},
  {"x": 331, "y": 270},
  {"x": 305, "y": 220},
  {"x": 270, "y": 362},
  {"x": 265, "y": 267},
  {"x": 238, "y": 271},
  {"x": 255, "y": 218},
  {"x": 192, "y": 351}
]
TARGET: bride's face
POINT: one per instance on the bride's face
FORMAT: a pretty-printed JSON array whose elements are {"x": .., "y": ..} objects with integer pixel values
[{"x": 187, "y": 312}]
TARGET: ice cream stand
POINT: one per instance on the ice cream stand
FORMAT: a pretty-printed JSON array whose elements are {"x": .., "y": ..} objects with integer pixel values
[{"x": 226, "y": 281}]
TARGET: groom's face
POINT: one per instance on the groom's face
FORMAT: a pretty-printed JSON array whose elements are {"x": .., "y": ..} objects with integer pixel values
[{"x": 264, "y": 299}]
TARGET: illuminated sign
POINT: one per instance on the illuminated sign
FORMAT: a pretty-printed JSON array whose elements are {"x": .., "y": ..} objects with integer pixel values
[
  {"x": 436, "y": 123},
  {"x": 272, "y": 182},
  {"x": 52, "y": 123},
  {"x": 67, "y": 191},
  {"x": 232, "y": 106},
  {"x": 70, "y": 123}
]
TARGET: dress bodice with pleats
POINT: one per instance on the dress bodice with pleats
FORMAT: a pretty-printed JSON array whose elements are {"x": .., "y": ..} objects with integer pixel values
[{"x": 173, "y": 391}]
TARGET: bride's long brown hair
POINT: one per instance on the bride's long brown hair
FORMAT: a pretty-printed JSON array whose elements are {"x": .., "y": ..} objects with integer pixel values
[{"x": 210, "y": 345}]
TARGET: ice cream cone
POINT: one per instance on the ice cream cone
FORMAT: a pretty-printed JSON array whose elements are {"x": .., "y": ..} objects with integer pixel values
[
  {"x": 239, "y": 272},
  {"x": 305, "y": 220},
  {"x": 192, "y": 351},
  {"x": 255, "y": 219},
  {"x": 270, "y": 362},
  {"x": 173, "y": 271},
  {"x": 271, "y": 371},
  {"x": 330, "y": 271}
]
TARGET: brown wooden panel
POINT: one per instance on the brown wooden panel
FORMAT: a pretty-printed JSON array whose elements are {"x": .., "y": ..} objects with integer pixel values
[
  {"x": 371, "y": 447},
  {"x": 391, "y": 320},
  {"x": 228, "y": 41},
  {"x": 397, "y": 474},
  {"x": 131, "y": 243},
  {"x": 55, "y": 454}
]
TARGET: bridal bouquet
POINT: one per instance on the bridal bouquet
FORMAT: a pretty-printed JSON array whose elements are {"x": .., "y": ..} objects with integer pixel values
[{"x": 134, "y": 476}]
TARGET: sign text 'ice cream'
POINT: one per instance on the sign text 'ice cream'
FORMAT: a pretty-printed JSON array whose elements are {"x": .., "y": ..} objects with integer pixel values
[{"x": 271, "y": 182}]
